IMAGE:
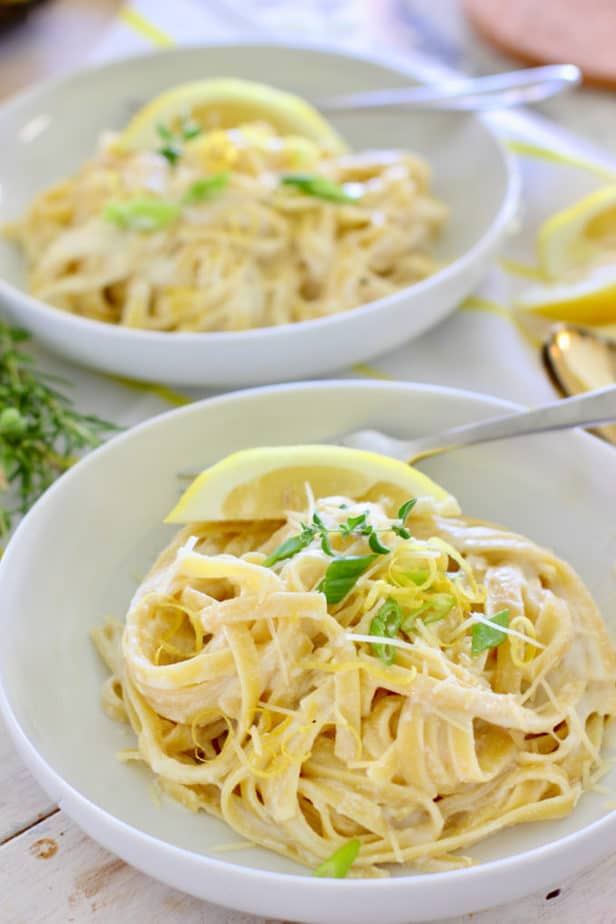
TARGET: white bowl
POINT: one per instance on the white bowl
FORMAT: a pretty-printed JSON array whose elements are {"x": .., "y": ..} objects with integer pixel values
[
  {"x": 54, "y": 128},
  {"x": 74, "y": 560}
]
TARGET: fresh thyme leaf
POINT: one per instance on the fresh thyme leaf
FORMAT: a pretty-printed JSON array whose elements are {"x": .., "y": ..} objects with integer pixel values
[
  {"x": 406, "y": 508},
  {"x": 353, "y": 523},
  {"x": 190, "y": 130},
  {"x": 205, "y": 188},
  {"x": 142, "y": 213},
  {"x": 318, "y": 186},
  {"x": 342, "y": 575},
  {"x": 376, "y": 545},
  {"x": 386, "y": 623},
  {"x": 338, "y": 865},
  {"x": 401, "y": 531},
  {"x": 164, "y": 132},
  {"x": 289, "y": 548},
  {"x": 171, "y": 151},
  {"x": 484, "y": 636},
  {"x": 41, "y": 433}
]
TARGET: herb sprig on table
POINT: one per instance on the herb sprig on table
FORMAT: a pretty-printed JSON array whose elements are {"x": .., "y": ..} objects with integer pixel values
[{"x": 41, "y": 433}]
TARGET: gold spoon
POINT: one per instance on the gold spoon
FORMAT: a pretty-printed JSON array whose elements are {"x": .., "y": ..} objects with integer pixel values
[{"x": 580, "y": 360}]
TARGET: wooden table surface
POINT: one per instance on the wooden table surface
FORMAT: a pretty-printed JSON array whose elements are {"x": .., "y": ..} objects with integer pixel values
[{"x": 52, "y": 873}]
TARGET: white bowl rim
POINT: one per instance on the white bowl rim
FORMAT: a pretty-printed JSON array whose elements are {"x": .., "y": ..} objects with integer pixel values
[
  {"x": 48, "y": 776},
  {"x": 328, "y": 323}
]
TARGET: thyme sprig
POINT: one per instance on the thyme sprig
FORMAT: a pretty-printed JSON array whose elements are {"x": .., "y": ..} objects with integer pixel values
[
  {"x": 344, "y": 571},
  {"x": 41, "y": 433}
]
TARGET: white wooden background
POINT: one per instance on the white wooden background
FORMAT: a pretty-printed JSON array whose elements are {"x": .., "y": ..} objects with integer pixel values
[{"x": 52, "y": 873}]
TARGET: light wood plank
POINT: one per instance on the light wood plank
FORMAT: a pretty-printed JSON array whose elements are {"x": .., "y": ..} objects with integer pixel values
[
  {"x": 56, "y": 874},
  {"x": 54, "y": 866},
  {"x": 22, "y": 801}
]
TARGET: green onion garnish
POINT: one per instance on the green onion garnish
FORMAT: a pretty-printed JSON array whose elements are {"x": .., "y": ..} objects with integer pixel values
[
  {"x": 484, "y": 636},
  {"x": 338, "y": 865},
  {"x": 318, "y": 186},
  {"x": 141, "y": 214},
  {"x": 435, "y": 608},
  {"x": 386, "y": 623},
  {"x": 205, "y": 188}
]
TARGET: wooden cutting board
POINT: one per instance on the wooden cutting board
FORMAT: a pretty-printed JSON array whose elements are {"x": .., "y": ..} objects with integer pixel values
[{"x": 581, "y": 32}]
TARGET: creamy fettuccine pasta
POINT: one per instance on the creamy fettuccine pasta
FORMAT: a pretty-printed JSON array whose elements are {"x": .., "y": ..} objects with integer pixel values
[
  {"x": 239, "y": 228},
  {"x": 349, "y": 676}
]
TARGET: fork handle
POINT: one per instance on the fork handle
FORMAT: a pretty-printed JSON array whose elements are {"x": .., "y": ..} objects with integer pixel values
[
  {"x": 589, "y": 409},
  {"x": 493, "y": 91}
]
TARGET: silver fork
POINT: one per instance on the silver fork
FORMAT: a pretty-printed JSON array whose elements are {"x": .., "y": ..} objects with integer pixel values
[
  {"x": 495, "y": 91},
  {"x": 587, "y": 410}
]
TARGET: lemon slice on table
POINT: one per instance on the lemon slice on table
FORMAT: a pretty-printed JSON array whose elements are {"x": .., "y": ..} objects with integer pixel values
[
  {"x": 226, "y": 103},
  {"x": 576, "y": 254},
  {"x": 262, "y": 484},
  {"x": 590, "y": 300},
  {"x": 577, "y": 237}
]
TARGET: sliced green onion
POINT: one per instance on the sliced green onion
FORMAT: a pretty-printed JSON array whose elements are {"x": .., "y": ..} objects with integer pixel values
[
  {"x": 205, "y": 188},
  {"x": 338, "y": 865},
  {"x": 318, "y": 186},
  {"x": 386, "y": 623},
  {"x": 484, "y": 636},
  {"x": 435, "y": 608},
  {"x": 141, "y": 214}
]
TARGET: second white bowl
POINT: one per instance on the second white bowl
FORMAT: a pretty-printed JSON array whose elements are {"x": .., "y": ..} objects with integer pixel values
[{"x": 55, "y": 128}]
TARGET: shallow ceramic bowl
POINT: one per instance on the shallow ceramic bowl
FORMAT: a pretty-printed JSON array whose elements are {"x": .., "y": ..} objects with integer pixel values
[
  {"x": 76, "y": 557},
  {"x": 54, "y": 128}
]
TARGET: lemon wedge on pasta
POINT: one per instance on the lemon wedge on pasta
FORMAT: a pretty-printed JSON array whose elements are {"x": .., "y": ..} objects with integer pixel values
[
  {"x": 227, "y": 103},
  {"x": 264, "y": 483}
]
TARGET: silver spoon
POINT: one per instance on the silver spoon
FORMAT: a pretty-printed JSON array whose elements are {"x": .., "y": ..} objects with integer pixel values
[
  {"x": 578, "y": 360},
  {"x": 594, "y": 407},
  {"x": 496, "y": 91}
]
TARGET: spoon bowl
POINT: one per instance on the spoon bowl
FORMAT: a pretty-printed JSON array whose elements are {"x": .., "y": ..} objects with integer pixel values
[{"x": 579, "y": 360}]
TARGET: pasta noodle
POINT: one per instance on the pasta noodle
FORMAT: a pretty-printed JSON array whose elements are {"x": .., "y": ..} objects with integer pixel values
[
  {"x": 256, "y": 700},
  {"x": 255, "y": 253}
]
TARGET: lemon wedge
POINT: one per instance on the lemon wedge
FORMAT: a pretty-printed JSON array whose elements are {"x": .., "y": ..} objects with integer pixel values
[
  {"x": 226, "y": 103},
  {"x": 574, "y": 239},
  {"x": 262, "y": 484},
  {"x": 591, "y": 300}
]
